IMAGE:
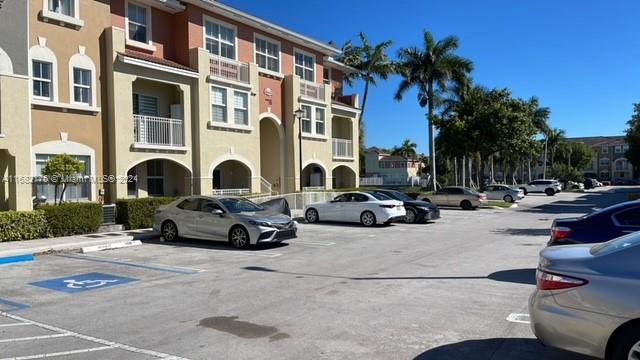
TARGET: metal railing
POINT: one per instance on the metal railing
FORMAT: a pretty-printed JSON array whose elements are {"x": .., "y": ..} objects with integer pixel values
[
  {"x": 371, "y": 181},
  {"x": 342, "y": 148},
  {"x": 231, "y": 191},
  {"x": 154, "y": 130},
  {"x": 312, "y": 90},
  {"x": 265, "y": 186},
  {"x": 229, "y": 69}
]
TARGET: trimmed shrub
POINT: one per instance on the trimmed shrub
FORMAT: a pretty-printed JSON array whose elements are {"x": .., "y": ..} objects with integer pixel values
[
  {"x": 138, "y": 213},
  {"x": 23, "y": 225},
  {"x": 73, "y": 218},
  {"x": 634, "y": 196}
]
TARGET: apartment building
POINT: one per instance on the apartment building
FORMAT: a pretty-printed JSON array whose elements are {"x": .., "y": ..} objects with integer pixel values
[
  {"x": 383, "y": 168},
  {"x": 169, "y": 98},
  {"x": 609, "y": 161}
]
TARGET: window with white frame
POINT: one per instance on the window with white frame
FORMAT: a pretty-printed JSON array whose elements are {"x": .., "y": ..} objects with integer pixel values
[
  {"x": 319, "y": 121},
  {"x": 304, "y": 66},
  {"x": 42, "y": 80},
  {"x": 604, "y": 162},
  {"x": 82, "y": 86},
  {"x": 218, "y": 104},
  {"x": 625, "y": 148},
  {"x": 80, "y": 190},
  {"x": 64, "y": 7},
  {"x": 220, "y": 39},
  {"x": 138, "y": 22},
  {"x": 267, "y": 54},
  {"x": 240, "y": 108},
  {"x": 618, "y": 149},
  {"x": 605, "y": 150},
  {"x": 306, "y": 119}
]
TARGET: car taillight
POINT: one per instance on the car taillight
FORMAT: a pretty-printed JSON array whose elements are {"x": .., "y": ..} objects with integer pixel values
[
  {"x": 550, "y": 281},
  {"x": 482, "y": 196},
  {"x": 560, "y": 232}
]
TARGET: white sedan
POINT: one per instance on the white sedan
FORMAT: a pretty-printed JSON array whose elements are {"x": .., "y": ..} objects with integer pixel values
[
  {"x": 366, "y": 208},
  {"x": 503, "y": 192}
]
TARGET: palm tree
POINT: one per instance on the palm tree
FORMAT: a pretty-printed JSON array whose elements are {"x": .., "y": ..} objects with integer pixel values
[
  {"x": 433, "y": 68},
  {"x": 556, "y": 137},
  {"x": 407, "y": 149},
  {"x": 541, "y": 122}
]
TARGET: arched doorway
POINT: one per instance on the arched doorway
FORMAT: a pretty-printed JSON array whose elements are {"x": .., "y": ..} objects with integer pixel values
[
  {"x": 271, "y": 152},
  {"x": 231, "y": 177},
  {"x": 158, "y": 177},
  {"x": 343, "y": 177},
  {"x": 313, "y": 177}
]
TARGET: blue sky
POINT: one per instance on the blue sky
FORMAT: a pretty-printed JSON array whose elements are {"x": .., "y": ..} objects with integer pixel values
[{"x": 580, "y": 57}]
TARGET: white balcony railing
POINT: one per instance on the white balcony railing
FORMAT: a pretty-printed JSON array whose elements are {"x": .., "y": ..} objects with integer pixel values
[
  {"x": 153, "y": 130},
  {"x": 231, "y": 191},
  {"x": 229, "y": 69},
  {"x": 312, "y": 90},
  {"x": 343, "y": 148}
]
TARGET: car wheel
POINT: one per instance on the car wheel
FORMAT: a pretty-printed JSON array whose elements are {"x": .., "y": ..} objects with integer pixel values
[
  {"x": 508, "y": 198},
  {"x": 311, "y": 216},
  {"x": 524, "y": 190},
  {"x": 466, "y": 205},
  {"x": 550, "y": 192},
  {"x": 368, "y": 219},
  {"x": 626, "y": 345},
  {"x": 239, "y": 237},
  {"x": 410, "y": 217},
  {"x": 169, "y": 231}
]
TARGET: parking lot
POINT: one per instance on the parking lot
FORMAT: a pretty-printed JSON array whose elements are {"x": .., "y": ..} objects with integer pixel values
[{"x": 453, "y": 289}]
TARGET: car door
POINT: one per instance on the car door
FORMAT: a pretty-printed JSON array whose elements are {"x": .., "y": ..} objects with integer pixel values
[
  {"x": 492, "y": 192},
  {"x": 354, "y": 207},
  {"x": 440, "y": 197},
  {"x": 627, "y": 221},
  {"x": 210, "y": 225},
  {"x": 455, "y": 196},
  {"x": 334, "y": 210},
  {"x": 186, "y": 215}
]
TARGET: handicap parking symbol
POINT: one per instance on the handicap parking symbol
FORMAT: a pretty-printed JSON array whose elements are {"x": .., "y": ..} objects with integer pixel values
[{"x": 83, "y": 282}]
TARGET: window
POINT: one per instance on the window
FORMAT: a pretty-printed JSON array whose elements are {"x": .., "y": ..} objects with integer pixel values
[
  {"x": 630, "y": 217},
  {"x": 132, "y": 182},
  {"x": 306, "y": 119},
  {"x": 621, "y": 165},
  {"x": 42, "y": 80},
  {"x": 240, "y": 108},
  {"x": 82, "y": 86},
  {"x": 138, "y": 21},
  {"x": 64, "y": 7},
  {"x": 625, "y": 148},
  {"x": 218, "y": 104},
  {"x": 618, "y": 149},
  {"x": 268, "y": 54},
  {"x": 209, "y": 206},
  {"x": 604, "y": 162},
  {"x": 220, "y": 39},
  {"x": 319, "y": 121},
  {"x": 80, "y": 190},
  {"x": 361, "y": 198},
  {"x": 155, "y": 178},
  {"x": 191, "y": 204},
  {"x": 145, "y": 105},
  {"x": 326, "y": 76},
  {"x": 605, "y": 150},
  {"x": 304, "y": 66}
]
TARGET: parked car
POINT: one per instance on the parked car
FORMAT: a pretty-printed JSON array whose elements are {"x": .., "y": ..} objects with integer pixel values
[
  {"x": 464, "y": 197},
  {"x": 367, "y": 209},
  {"x": 549, "y": 187},
  {"x": 590, "y": 183},
  {"x": 599, "y": 226},
  {"x": 586, "y": 298},
  {"x": 416, "y": 210},
  {"x": 228, "y": 218},
  {"x": 503, "y": 192},
  {"x": 572, "y": 185}
]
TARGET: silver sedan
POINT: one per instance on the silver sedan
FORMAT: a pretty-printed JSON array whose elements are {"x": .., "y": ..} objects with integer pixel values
[
  {"x": 586, "y": 299},
  {"x": 233, "y": 219}
]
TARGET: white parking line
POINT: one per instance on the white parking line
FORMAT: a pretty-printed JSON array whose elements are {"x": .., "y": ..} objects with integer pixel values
[
  {"x": 63, "y": 353},
  {"x": 308, "y": 242},
  {"x": 519, "y": 318},
  {"x": 42, "y": 337},
  {"x": 13, "y": 324},
  {"x": 178, "y": 267},
  {"x": 248, "y": 253},
  {"x": 62, "y": 332}
]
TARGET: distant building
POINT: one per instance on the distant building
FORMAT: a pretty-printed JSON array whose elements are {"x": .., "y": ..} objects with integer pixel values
[
  {"x": 389, "y": 169},
  {"x": 609, "y": 161}
]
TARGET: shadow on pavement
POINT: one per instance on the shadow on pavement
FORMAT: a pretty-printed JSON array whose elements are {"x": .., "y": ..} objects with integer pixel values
[
  {"x": 584, "y": 204},
  {"x": 498, "y": 349},
  {"x": 213, "y": 245},
  {"x": 523, "y": 232},
  {"x": 518, "y": 276}
]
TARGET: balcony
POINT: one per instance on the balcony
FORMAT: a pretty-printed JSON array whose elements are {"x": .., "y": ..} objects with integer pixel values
[
  {"x": 157, "y": 131},
  {"x": 342, "y": 149},
  {"x": 312, "y": 90},
  {"x": 220, "y": 67}
]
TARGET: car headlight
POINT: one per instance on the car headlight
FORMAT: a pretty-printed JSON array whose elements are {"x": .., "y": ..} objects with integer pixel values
[{"x": 259, "y": 223}]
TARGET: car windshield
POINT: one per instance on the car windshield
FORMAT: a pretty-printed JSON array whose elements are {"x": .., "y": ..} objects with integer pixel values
[
  {"x": 620, "y": 243},
  {"x": 237, "y": 205},
  {"x": 398, "y": 195},
  {"x": 380, "y": 196}
]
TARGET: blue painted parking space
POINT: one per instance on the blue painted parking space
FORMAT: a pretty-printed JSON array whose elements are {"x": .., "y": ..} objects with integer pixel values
[
  {"x": 10, "y": 306},
  {"x": 83, "y": 282}
]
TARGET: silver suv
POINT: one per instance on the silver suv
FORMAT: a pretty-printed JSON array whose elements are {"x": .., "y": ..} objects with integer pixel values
[{"x": 549, "y": 187}]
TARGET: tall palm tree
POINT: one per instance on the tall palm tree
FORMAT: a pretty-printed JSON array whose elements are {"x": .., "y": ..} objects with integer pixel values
[
  {"x": 432, "y": 68},
  {"x": 556, "y": 137},
  {"x": 407, "y": 149},
  {"x": 541, "y": 122}
]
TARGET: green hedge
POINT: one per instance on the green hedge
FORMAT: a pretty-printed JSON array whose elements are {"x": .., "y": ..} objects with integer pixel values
[
  {"x": 138, "y": 213},
  {"x": 73, "y": 218},
  {"x": 635, "y": 196},
  {"x": 23, "y": 225}
]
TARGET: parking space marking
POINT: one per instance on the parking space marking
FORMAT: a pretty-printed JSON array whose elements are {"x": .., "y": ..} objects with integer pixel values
[
  {"x": 12, "y": 306},
  {"x": 124, "y": 263},
  {"x": 248, "y": 253},
  {"x": 107, "y": 344},
  {"x": 519, "y": 318},
  {"x": 13, "y": 324},
  {"x": 309, "y": 242},
  {"x": 42, "y": 337},
  {"x": 179, "y": 267},
  {"x": 63, "y": 353}
]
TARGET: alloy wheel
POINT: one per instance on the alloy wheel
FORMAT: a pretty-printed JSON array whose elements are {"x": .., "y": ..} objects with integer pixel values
[
  {"x": 410, "y": 217},
  {"x": 312, "y": 216},
  {"x": 634, "y": 353},
  {"x": 239, "y": 237},
  {"x": 169, "y": 231},
  {"x": 367, "y": 219}
]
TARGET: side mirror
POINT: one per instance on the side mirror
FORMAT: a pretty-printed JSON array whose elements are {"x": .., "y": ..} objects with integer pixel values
[{"x": 218, "y": 212}]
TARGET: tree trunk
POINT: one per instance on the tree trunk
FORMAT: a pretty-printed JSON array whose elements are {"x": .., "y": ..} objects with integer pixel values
[
  {"x": 544, "y": 164},
  {"x": 469, "y": 166},
  {"x": 455, "y": 169},
  {"x": 55, "y": 194},
  {"x": 491, "y": 173},
  {"x": 464, "y": 177},
  {"x": 432, "y": 142},
  {"x": 64, "y": 188},
  {"x": 529, "y": 167},
  {"x": 478, "y": 163}
]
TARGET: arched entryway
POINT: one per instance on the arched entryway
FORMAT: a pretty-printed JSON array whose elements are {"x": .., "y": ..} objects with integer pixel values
[
  {"x": 343, "y": 177},
  {"x": 313, "y": 177},
  {"x": 158, "y": 177},
  {"x": 271, "y": 152},
  {"x": 231, "y": 177}
]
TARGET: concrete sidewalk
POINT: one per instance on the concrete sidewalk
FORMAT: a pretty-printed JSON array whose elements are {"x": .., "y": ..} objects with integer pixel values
[{"x": 71, "y": 243}]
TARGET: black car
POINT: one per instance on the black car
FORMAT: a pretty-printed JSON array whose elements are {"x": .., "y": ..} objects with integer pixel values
[
  {"x": 417, "y": 211},
  {"x": 600, "y": 226}
]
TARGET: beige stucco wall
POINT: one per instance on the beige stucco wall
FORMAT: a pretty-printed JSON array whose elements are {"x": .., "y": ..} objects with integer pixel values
[{"x": 15, "y": 152}]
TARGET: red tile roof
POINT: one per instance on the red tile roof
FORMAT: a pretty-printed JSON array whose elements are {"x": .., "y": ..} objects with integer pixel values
[{"x": 156, "y": 60}]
